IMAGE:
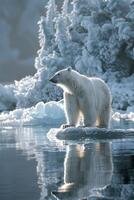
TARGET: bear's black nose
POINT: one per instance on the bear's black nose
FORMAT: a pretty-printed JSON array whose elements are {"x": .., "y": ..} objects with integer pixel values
[{"x": 53, "y": 80}]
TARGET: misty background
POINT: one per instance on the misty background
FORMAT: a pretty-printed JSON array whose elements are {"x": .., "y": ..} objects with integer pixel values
[{"x": 19, "y": 37}]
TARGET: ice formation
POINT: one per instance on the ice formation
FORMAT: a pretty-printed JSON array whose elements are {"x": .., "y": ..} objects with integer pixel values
[
  {"x": 51, "y": 114},
  {"x": 95, "y": 38},
  {"x": 81, "y": 134},
  {"x": 47, "y": 114}
]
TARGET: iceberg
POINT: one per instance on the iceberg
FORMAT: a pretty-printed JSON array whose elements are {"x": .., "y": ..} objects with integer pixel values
[{"x": 51, "y": 113}]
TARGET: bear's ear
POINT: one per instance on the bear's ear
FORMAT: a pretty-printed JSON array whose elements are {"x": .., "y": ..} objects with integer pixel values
[{"x": 69, "y": 69}]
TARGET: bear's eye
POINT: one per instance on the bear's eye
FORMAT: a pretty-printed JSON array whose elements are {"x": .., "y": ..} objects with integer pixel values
[{"x": 58, "y": 74}]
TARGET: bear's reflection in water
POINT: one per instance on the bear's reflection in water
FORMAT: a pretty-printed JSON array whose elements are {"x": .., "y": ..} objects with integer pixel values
[{"x": 85, "y": 167}]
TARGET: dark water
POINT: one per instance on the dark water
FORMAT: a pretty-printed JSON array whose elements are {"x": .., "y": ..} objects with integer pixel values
[{"x": 34, "y": 168}]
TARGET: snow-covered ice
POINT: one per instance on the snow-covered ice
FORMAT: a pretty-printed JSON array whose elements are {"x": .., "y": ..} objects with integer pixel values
[
  {"x": 93, "y": 133},
  {"x": 47, "y": 114},
  {"x": 95, "y": 38}
]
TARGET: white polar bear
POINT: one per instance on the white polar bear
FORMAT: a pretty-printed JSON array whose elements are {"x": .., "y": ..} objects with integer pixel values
[{"x": 84, "y": 96}]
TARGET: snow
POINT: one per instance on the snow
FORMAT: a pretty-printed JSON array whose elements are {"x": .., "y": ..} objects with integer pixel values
[
  {"x": 122, "y": 91},
  {"x": 118, "y": 116},
  {"x": 47, "y": 114},
  {"x": 95, "y": 38},
  {"x": 81, "y": 134}
]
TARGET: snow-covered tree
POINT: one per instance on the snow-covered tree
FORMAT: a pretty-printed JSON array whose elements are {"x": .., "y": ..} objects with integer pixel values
[
  {"x": 95, "y": 37},
  {"x": 47, "y": 29},
  {"x": 65, "y": 7}
]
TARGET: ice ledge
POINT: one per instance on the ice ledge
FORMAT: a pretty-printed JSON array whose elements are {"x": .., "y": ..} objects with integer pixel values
[{"x": 90, "y": 133}]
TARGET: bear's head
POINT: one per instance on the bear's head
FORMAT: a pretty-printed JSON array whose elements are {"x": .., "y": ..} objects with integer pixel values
[{"x": 62, "y": 78}]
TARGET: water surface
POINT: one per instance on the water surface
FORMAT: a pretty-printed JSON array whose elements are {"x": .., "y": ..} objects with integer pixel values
[{"x": 34, "y": 168}]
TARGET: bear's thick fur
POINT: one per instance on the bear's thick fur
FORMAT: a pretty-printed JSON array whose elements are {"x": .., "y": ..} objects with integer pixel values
[{"x": 86, "y": 98}]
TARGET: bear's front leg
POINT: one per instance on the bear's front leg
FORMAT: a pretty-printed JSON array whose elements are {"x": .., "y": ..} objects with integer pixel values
[{"x": 71, "y": 110}]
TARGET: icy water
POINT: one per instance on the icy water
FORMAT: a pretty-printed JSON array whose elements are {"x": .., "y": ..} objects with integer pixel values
[{"x": 34, "y": 168}]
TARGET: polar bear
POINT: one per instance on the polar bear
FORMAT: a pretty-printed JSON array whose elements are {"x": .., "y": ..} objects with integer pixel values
[{"x": 86, "y": 98}]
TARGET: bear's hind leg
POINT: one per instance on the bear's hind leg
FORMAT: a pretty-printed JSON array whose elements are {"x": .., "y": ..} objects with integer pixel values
[
  {"x": 88, "y": 112},
  {"x": 89, "y": 120},
  {"x": 104, "y": 118},
  {"x": 71, "y": 110}
]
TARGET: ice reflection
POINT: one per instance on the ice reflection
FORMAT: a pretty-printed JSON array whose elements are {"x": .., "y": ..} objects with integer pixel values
[
  {"x": 34, "y": 145},
  {"x": 85, "y": 167}
]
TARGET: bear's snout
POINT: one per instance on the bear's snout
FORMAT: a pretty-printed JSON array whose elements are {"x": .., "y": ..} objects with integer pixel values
[{"x": 53, "y": 80}]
